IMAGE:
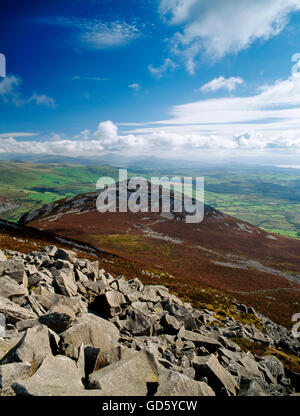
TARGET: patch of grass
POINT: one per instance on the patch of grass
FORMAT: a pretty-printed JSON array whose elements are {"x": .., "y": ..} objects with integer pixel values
[
  {"x": 129, "y": 243},
  {"x": 290, "y": 361}
]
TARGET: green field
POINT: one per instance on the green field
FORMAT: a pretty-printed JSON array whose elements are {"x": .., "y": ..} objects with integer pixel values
[
  {"x": 268, "y": 197},
  {"x": 31, "y": 186}
]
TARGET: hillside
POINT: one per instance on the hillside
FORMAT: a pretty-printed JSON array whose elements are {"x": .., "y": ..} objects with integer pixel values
[
  {"x": 264, "y": 196},
  {"x": 74, "y": 329},
  {"x": 223, "y": 253}
]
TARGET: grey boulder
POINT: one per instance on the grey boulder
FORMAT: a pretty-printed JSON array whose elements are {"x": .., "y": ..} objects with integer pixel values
[
  {"x": 33, "y": 347},
  {"x": 15, "y": 270},
  {"x": 13, "y": 371},
  {"x": 14, "y": 312},
  {"x": 217, "y": 376},
  {"x": 57, "y": 376},
  {"x": 130, "y": 377},
  {"x": 9, "y": 288},
  {"x": 171, "y": 383},
  {"x": 92, "y": 330}
]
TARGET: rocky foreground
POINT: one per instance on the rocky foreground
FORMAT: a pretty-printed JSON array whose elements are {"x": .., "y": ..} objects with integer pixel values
[{"x": 74, "y": 330}]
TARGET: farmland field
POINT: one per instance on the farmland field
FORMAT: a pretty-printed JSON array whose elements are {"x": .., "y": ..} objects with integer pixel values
[{"x": 267, "y": 197}]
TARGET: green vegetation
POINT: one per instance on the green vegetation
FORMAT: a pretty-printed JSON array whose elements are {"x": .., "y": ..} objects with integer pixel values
[
  {"x": 267, "y": 197},
  {"x": 130, "y": 243},
  {"x": 32, "y": 185},
  {"x": 292, "y": 362}
]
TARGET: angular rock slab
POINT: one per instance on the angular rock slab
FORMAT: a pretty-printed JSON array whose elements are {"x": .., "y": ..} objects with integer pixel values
[
  {"x": 199, "y": 340},
  {"x": 58, "y": 322},
  {"x": 217, "y": 376},
  {"x": 50, "y": 300},
  {"x": 33, "y": 347},
  {"x": 130, "y": 377},
  {"x": 66, "y": 285},
  {"x": 92, "y": 330},
  {"x": 108, "y": 357},
  {"x": 9, "y": 288},
  {"x": 13, "y": 312},
  {"x": 109, "y": 304},
  {"x": 171, "y": 324},
  {"x": 9, "y": 373},
  {"x": 57, "y": 376},
  {"x": 274, "y": 365},
  {"x": 2, "y": 256},
  {"x": 15, "y": 270},
  {"x": 171, "y": 383}
]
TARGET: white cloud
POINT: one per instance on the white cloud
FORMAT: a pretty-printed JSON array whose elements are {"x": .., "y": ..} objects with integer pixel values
[
  {"x": 10, "y": 92},
  {"x": 268, "y": 122},
  {"x": 97, "y": 34},
  {"x": 84, "y": 78},
  {"x": 106, "y": 130},
  {"x": 42, "y": 100},
  {"x": 8, "y": 85},
  {"x": 134, "y": 86},
  {"x": 160, "y": 142},
  {"x": 17, "y": 134},
  {"x": 168, "y": 65},
  {"x": 219, "y": 27},
  {"x": 85, "y": 134},
  {"x": 216, "y": 84}
]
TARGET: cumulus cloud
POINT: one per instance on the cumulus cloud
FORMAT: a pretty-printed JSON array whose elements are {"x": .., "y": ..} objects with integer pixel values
[
  {"x": 267, "y": 122},
  {"x": 106, "y": 139},
  {"x": 216, "y": 84},
  {"x": 158, "y": 72},
  {"x": 106, "y": 130},
  {"x": 218, "y": 27},
  {"x": 97, "y": 34},
  {"x": 10, "y": 92}
]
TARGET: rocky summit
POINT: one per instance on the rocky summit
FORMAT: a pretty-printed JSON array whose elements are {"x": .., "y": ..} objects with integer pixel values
[{"x": 72, "y": 329}]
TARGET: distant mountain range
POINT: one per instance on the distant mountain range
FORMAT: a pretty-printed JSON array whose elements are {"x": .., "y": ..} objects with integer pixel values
[{"x": 114, "y": 160}]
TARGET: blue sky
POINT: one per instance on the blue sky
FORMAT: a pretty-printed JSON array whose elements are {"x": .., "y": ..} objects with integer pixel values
[{"x": 195, "y": 79}]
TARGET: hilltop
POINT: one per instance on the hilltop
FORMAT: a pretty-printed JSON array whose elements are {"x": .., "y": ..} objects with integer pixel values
[{"x": 223, "y": 253}]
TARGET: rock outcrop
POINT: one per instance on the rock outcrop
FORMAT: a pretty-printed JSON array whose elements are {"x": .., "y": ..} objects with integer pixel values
[{"x": 73, "y": 329}]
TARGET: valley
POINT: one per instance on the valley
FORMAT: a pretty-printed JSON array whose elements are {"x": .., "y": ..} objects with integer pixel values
[
  {"x": 221, "y": 253},
  {"x": 267, "y": 197}
]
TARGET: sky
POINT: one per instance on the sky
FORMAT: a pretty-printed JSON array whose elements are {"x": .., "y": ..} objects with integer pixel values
[{"x": 180, "y": 79}]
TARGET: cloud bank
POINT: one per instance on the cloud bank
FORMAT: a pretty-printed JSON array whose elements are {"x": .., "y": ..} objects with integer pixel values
[{"x": 267, "y": 122}]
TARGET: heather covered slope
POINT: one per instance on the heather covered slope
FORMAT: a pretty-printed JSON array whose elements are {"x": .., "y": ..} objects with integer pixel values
[
  {"x": 222, "y": 252},
  {"x": 72, "y": 329}
]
